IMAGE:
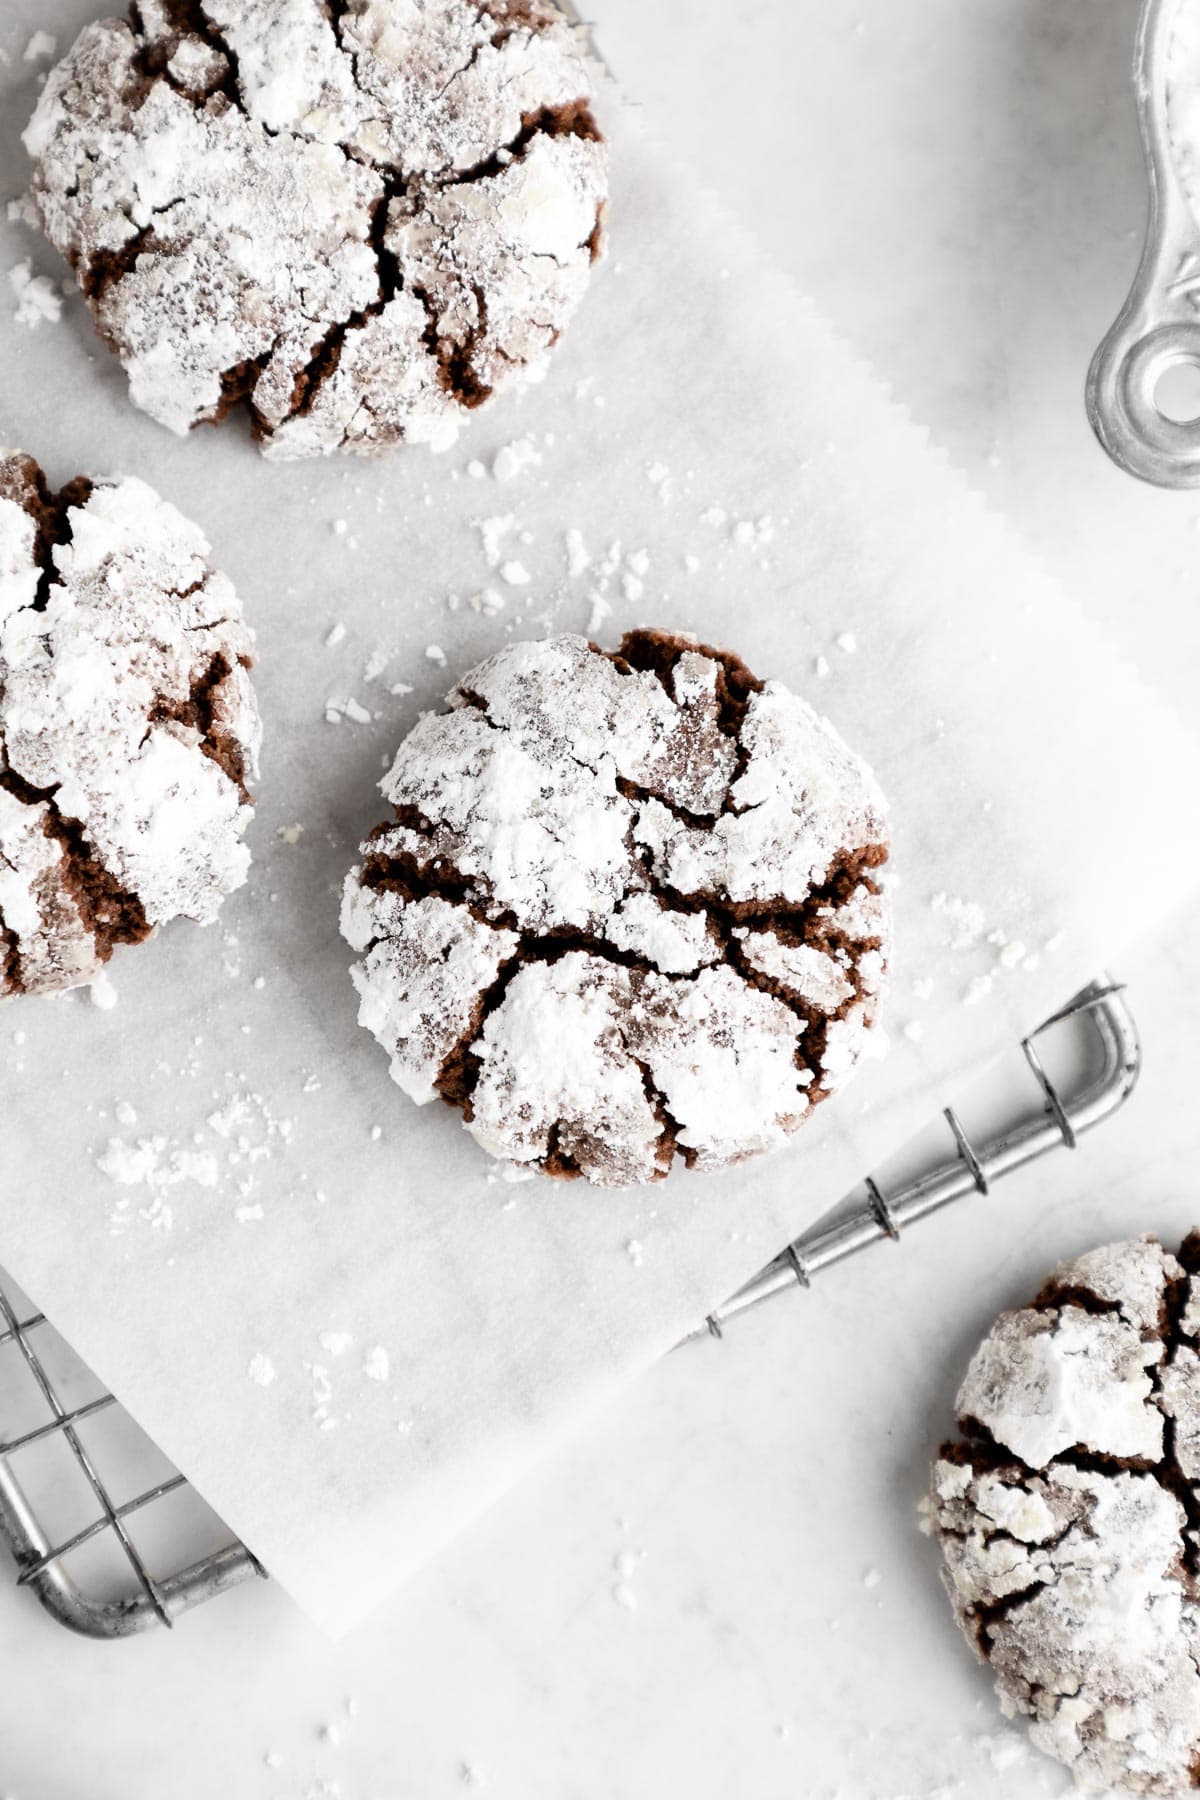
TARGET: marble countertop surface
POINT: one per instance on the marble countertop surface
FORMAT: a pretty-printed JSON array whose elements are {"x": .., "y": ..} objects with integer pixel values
[{"x": 722, "y": 1589}]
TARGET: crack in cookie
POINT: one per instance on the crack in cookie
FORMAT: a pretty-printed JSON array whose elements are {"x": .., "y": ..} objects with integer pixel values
[
  {"x": 361, "y": 220},
  {"x": 641, "y": 926}
]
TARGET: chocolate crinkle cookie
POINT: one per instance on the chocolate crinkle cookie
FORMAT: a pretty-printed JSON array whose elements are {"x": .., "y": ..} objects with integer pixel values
[
  {"x": 128, "y": 726},
  {"x": 627, "y": 910},
  {"x": 1069, "y": 1515},
  {"x": 364, "y": 217}
]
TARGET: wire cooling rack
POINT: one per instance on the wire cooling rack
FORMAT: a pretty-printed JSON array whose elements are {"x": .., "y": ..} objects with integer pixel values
[{"x": 112, "y": 1539}]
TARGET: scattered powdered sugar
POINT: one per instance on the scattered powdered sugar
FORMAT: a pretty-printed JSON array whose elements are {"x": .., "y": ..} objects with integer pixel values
[
  {"x": 246, "y": 1133},
  {"x": 40, "y": 48},
  {"x": 350, "y": 709},
  {"x": 515, "y": 458},
  {"x": 659, "y": 477},
  {"x": 262, "y": 1370},
  {"x": 601, "y": 608},
  {"x": 969, "y": 932},
  {"x": 487, "y": 602},
  {"x": 578, "y": 559},
  {"x": 753, "y": 534},
  {"x": 322, "y": 1396},
  {"x": 965, "y": 916},
  {"x": 102, "y": 992},
  {"x": 22, "y": 211},
  {"x": 38, "y": 300},
  {"x": 493, "y": 534},
  {"x": 1004, "y": 1749},
  {"x": 156, "y": 1162}
]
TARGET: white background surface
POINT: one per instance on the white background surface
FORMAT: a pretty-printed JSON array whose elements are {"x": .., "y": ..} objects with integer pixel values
[
  {"x": 960, "y": 188},
  {"x": 508, "y": 1320}
]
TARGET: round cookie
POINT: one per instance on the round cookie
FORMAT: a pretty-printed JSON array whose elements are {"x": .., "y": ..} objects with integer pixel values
[
  {"x": 128, "y": 726},
  {"x": 627, "y": 911},
  {"x": 1068, "y": 1515},
  {"x": 363, "y": 218}
]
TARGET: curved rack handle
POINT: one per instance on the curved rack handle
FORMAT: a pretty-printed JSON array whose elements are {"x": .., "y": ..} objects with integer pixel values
[
  {"x": 1060, "y": 1120},
  {"x": 1158, "y": 328}
]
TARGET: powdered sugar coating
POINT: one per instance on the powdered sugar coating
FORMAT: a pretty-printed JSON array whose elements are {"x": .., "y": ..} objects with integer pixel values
[
  {"x": 608, "y": 1015},
  {"x": 365, "y": 222},
  {"x": 1068, "y": 1527},
  {"x": 419, "y": 981},
  {"x": 128, "y": 726}
]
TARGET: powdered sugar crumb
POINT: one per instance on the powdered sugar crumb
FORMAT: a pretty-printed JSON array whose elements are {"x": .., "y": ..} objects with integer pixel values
[
  {"x": 515, "y": 458},
  {"x": 492, "y": 535},
  {"x": 39, "y": 302},
  {"x": 40, "y": 48},
  {"x": 965, "y": 915},
  {"x": 578, "y": 559},
  {"x": 156, "y": 1162},
  {"x": 601, "y": 609}
]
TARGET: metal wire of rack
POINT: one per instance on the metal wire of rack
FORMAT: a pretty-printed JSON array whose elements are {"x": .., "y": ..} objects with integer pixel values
[{"x": 64, "y": 1406}]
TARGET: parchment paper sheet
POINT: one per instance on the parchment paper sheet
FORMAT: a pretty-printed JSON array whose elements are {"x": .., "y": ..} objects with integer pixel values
[{"x": 1030, "y": 774}]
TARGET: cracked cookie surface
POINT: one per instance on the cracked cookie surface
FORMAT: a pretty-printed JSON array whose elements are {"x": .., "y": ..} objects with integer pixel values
[
  {"x": 1068, "y": 1515},
  {"x": 362, "y": 217},
  {"x": 628, "y": 909},
  {"x": 128, "y": 725}
]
